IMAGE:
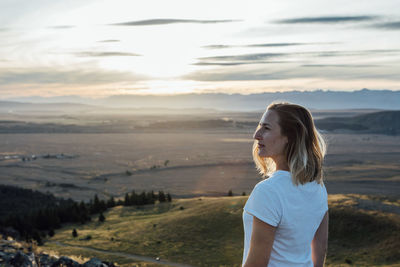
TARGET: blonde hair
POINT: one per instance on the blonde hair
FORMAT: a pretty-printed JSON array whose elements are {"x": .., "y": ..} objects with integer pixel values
[{"x": 305, "y": 149}]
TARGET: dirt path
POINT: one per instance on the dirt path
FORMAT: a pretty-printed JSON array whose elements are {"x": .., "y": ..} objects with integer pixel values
[{"x": 123, "y": 254}]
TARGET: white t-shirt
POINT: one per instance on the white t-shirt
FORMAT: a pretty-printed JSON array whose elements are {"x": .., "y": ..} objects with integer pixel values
[{"x": 296, "y": 211}]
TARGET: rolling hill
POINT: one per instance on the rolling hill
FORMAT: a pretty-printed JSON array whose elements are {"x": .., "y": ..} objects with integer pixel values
[
  {"x": 383, "y": 122},
  {"x": 208, "y": 232}
]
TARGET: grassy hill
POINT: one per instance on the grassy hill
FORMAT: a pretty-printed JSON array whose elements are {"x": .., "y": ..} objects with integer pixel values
[
  {"x": 383, "y": 122},
  {"x": 208, "y": 232}
]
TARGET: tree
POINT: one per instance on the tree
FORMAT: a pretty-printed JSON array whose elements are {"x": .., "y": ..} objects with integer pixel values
[
  {"x": 37, "y": 237},
  {"x": 230, "y": 193},
  {"x": 74, "y": 233},
  {"x": 134, "y": 198},
  {"x": 161, "y": 196},
  {"x": 84, "y": 213},
  {"x": 169, "y": 198},
  {"x": 142, "y": 198},
  {"x": 101, "y": 217},
  {"x": 102, "y": 206},
  {"x": 96, "y": 205},
  {"x": 149, "y": 198},
  {"x": 127, "y": 201},
  {"x": 111, "y": 202},
  {"x": 51, "y": 233},
  {"x": 41, "y": 220},
  {"x": 244, "y": 193}
]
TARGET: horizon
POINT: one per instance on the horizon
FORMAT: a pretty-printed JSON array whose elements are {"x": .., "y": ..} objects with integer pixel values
[
  {"x": 225, "y": 47},
  {"x": 15, "y": 99},
  {"x": 326, "y": 100}
]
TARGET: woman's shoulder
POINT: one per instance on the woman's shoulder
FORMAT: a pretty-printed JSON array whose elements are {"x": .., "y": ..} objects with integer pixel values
[
  {"x": 275, "y": 181},
  {"x": 278, "y": 177}
]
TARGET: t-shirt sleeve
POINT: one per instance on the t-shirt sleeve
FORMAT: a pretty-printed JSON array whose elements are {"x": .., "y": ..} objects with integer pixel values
[{"x": 264, "y": 204}]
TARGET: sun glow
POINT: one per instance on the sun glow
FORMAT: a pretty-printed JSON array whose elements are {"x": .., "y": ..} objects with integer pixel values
[{"x": 165, "y": 87}]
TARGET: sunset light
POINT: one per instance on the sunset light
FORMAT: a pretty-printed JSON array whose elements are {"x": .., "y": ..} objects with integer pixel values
[{"x": 160, "y": 47}]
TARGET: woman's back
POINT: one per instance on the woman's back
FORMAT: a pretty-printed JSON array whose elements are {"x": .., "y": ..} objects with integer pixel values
[
  {"x": 295, "y": 210},
  {"x": 285, "y": 218}
]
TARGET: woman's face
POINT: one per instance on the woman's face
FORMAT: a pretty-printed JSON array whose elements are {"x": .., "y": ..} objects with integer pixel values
[{"x": 270, "y": 141}]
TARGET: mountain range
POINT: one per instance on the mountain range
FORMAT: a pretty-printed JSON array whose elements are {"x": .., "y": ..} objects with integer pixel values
[{"x": 319, "y": 99}]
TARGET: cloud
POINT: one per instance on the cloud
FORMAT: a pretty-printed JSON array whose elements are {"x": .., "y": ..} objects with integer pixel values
[
  {"x": 261, "y": 58},
  {"x": 65, "y": 77},
  {"x": 106, "y": 54},
  {"x": 168, "y": 21},
  {"x": 387, "y": 26},
  {"x": 339, "y": 65},
  {"x": 217, "y": 46},
  {"x": 234, "y": 60},
  {"x": 275, "y": 44},
  {"x": 224, "y": 75},
  {"x": 253, "y": 45},
  {"x": 327, "y": 19},
  {"x": 60, "y": 27},
  {"x": 236, "y": 63},
  {"x": 354, "y": 53},
  {"x": 108, "y": 41},
  {"x": 246, "y": 57},
  {"x": 219, "y": 63},
  {"x": 240, "y": 74}
]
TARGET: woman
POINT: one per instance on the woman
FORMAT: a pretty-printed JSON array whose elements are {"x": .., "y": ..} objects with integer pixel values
[{"x": 286, "y": 216}]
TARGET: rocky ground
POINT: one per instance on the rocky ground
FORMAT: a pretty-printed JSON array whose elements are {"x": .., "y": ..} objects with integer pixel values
[{"x": 14, "y": 253}]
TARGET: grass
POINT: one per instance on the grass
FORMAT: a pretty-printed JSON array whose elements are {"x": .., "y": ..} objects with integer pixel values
[
  {"x": 361, "y": 237},
  {"x": 209, "y": 232}
]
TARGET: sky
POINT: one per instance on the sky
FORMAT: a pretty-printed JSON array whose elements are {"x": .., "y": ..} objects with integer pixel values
[{"x": 96, "y": 48}]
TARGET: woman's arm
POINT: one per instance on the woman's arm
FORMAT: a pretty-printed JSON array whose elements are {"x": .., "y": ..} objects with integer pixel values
[
  {"x": 262, "y": 238},
  {"x": 319, "y": 244}
]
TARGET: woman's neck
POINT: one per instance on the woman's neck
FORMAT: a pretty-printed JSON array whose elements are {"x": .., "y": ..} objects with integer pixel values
[{"x": 281, "y": 163}]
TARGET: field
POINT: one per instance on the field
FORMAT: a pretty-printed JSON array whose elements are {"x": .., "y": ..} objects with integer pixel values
[
  {"x": 198, "y": 166},
  {"x": 183, "y": 163}
]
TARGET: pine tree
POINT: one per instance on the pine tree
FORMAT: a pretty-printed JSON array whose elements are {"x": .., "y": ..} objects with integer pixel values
[
  {"x": 127, "y": 201},
  {"x": 83, "y": 212},
  {"x": 102, "y": 206},
  {"x": 142, "y": 198},
  {"x": 169, "y": 198},
  {"x": 75, "y": 212},
  {"x": 37, "y": 237},
  {"x": 51, "y": 232},
  {"x": 161, "y": 196},
  {"x": 90, "y": 206},
  {"x": 230, "y": 193},
  {"x": 101, "y": 217},
  {"x": 96, "y": 204},
  {"x": 74, "y": 233},
  {"x": 134, "y": 198},
  {"x": 111, "y": 202},
  {"x": 149, "y": 198}
]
